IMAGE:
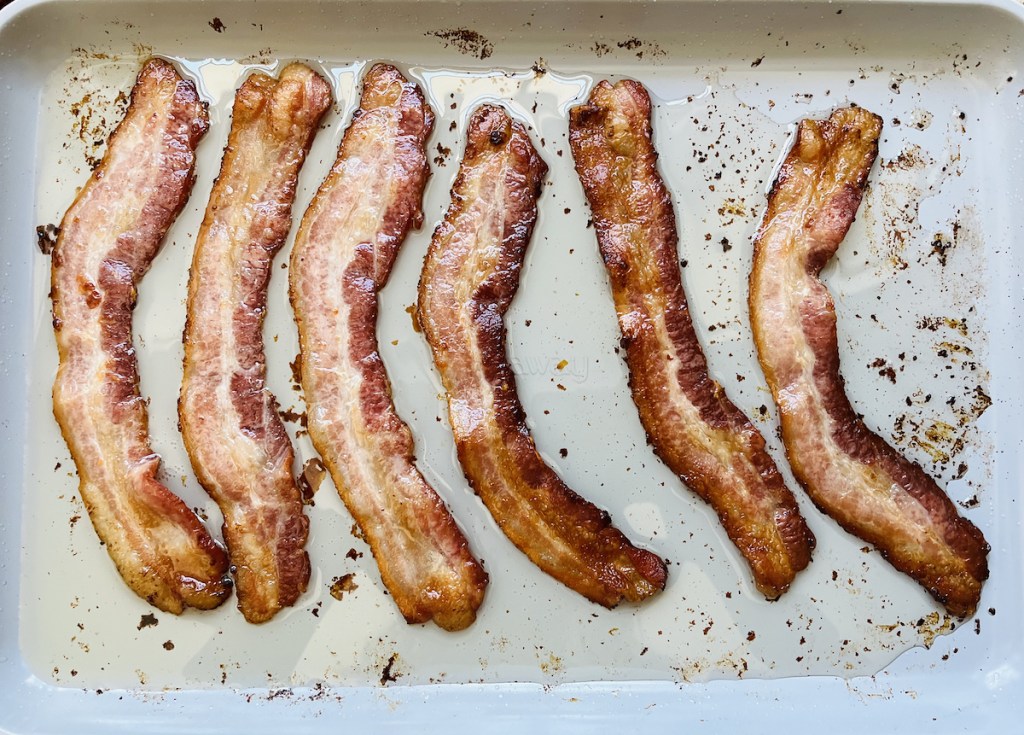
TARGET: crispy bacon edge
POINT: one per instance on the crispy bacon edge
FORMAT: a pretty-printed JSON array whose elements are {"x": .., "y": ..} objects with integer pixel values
[
  {"x": 234, "y": 436},
  {"x": 850, "y": 473},
  {"x": 470, "y": 276},
  {"x": 343, "y": 256},
  {"x": 108, "y": 239},
  {"x": 690, "y": 421}
]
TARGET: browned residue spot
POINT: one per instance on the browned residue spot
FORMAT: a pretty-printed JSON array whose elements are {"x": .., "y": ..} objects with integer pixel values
[
  {"x": 295, "y": 417},
  {"x": 932, "y": 626},
  {"x": 465, "y": 41},
  {"x": 341, "y": 585},
  {"x": 313, "y": 473},
  {"x": 218, "y": 25},
  {"x": 147, "y": 621},
  {"x": 46, "y": 237},
  {"x": 414, "y": 315},
  {"x": 909, "y": 158},
  {"x": 388, "y": 673},
  {"x": 296, "y": 366}
]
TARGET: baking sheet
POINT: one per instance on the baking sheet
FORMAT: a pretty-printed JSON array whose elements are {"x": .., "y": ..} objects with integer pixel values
[{"x": 924, "y": 294}]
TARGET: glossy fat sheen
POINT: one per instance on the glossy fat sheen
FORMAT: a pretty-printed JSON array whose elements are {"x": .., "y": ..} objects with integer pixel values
[
  {"x": 469, "y": 278},
  {"x": 234, "y": 436},
  {"x": 343, "y": 255},
  {"x": 108, "y": 240},
  {"x": 849, "y": 472},
  {"x": 692, "y": 424}
]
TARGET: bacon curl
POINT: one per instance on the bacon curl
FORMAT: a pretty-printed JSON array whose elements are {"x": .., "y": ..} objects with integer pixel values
[
  {"x": 343, "y": 255},
  {"x": 691, "y": 423},
  {"x": 234, "y": 436},
  {"x": 469, "y": 278},
  {"x": 108, "y": 240},
  {"x": 850, "y": 473}
]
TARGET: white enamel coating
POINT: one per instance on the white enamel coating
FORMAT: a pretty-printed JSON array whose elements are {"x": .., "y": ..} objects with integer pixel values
[{"x": 730, "y": 79}]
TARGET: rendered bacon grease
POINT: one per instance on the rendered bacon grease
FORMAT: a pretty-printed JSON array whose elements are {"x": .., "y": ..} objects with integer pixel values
[
  {"x": 343, "y": 255},
  {"x": 234, "y": 436},
  {"x": 849, "y": 472},
  {"x": 469, "y": 278},
  {"x": 108, "y": 239},
  {"x": 692, "y": 424}
]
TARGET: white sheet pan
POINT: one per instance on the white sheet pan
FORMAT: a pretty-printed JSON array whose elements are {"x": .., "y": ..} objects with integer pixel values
[{"x": 928, "y": 294}]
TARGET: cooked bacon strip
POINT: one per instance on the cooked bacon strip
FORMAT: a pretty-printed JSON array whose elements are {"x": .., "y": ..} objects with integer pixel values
[
  {"x": 850, "y": 473},
  {"x": 229, "y": 420},
  {"x": 343, "y": 255},
  {"x": 692, "y": 424},
  {"x": 108, "y": 240},
  {"x": 469, "y": 278}
]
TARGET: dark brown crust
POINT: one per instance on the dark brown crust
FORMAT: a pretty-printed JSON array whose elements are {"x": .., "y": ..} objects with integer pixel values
[
  {"x": 468, "y": 282},
  {"x": 689, "y": 420},
  {"x": 159, "y": 546},
  {"x": 343, "y": 255},
  {"x": 234, "y": 436},
  {"x": 880, "y": 496}
]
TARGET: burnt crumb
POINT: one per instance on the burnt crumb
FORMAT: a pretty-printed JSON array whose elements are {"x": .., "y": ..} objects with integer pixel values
[
  {"x": 147, "y": 621},
  {"x": 353, "y": 554},
  {"x": 971, "y": 502},
  {"x": 991, "y": 611},
  {"x": 388, "y": 675},
  {"x": 756, "y": 62},
  {"x": 630, "y": 43},
  {"x": 977, "y": 626},
  {"x": 884, "y": 369},
  {"x": 315, "y": 610},
  {"x": 600, "y": 49},
  {"x": 294, "y": 417},
  {"x": 726, "y": 247},
  {"x": 313, "y": 473},
  {"x": 168, "y": 645},
  {"x": 452, "y": 126},
  {"x": 57, "y": 466},
  {"x": 218, "y": 25},
  {"x": 296, "y": 366},
  {"x": 443, "y": 152},
  {"x": 357, "y": 532},
  {"x": 540, "y": 67},
  {"x": 563, "y": 452},
  {"x": 74, "y": 519},
  {"x": 465, "y": 41},
  {"x": 645, "y": 649},
  {"x": 941, "y": 245},
  {"x": 46, "y": 237},
  {"x": 751, "y": 635},
  {"x": 341, "y": 585}
]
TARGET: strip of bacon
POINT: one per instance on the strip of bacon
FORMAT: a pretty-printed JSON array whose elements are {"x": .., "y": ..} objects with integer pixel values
[
  {"x": 234, "y": 436},
  {"x": 343, "y": 255},
  {"x": 108, "y": 239},
  {"x": 850, "y": 473},
  {"x": 469, "y": 278},
  {"x": 692, "y": 424}
]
